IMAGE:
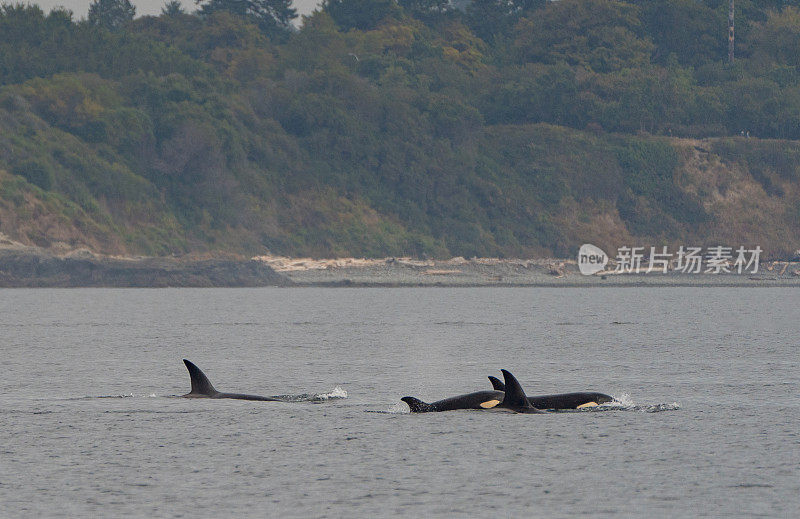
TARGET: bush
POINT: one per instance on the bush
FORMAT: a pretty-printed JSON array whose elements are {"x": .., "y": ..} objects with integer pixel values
[
  {"x": 36, "y": 172},
  {"x": 649, "y": 166},
  {"x": 650, "y": 175}
]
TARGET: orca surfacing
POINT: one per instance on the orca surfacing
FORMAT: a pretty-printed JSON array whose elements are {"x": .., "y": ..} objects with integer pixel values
[
  {"x": 202, "y": 387},
  {"x": 513, "y": 399},
  {"x": 560, "y": 401}
]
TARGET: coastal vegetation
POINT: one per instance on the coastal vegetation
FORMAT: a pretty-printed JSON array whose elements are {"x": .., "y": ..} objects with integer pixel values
[{"x": 378, "y": 128}]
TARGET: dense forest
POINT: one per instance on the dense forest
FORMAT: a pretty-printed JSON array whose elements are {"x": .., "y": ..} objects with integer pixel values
[{"x": 409, "y": 127}]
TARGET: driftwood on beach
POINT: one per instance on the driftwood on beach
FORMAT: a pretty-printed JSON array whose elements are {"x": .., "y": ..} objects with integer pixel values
[{"x": 509, "y": 272}]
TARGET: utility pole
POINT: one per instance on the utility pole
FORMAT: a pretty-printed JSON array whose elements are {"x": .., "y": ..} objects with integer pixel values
[{"x": 730, "y": 32}]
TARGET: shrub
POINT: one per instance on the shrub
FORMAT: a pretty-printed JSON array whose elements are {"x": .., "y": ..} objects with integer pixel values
[{"x": 36, "y": 172}]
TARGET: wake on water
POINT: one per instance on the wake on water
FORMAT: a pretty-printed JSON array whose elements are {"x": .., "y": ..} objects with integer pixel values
[
  {"x": 337, "y": 393},
  {"x": 398, "y": 408},
  {"x": 128, "y": 395},
  {"x": 624, "y": 402}
]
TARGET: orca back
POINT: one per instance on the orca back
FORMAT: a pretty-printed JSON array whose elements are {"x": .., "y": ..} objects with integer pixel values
[{"x": 569, "y": 400}]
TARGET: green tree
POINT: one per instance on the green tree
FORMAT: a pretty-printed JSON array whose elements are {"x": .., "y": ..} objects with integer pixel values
[
  {"x": 603, "y": 35},
  {"x": 273, "y": 17},
  {"x": 495, "y": 19},
  {"x": 111, "y": 14},
  {"x": 173, "y": 8},
  {"x": 361, "y": 14},
  {"x": 425, "y": 9},
  {"x": 691, "y": 30},
  {"x": 490, "y": 19},
  {"x": 778, "y": 38},
  {"x": 537, "y": 93}
]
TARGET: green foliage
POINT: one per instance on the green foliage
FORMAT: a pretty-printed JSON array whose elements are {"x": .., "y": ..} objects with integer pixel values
[
  {"x": 653, "y": 202},
  {"x": 173, "y": 8},
  {"x": 382, "y": 128},
  {"x": 13, "y": 191},
  {"x": 650, "y": 166},
  {"x": 777, "y": 39},
  {"x": 37, "y": 173},
  {"x": 362, "y": 15},
  {"x": 491, "y": 19},
  {"x": 111, "y": 15},
  {"x": 426, "y": 9},
  {"x": 494, "y": 20},
  {"x": 603, "y": 35},
  {"x": 33, "y": 44},
  {"x": 536, "y": 93},
  {"x": 763, "y": 158},
  {"x": 273, "y": 17},
  {"x": 692, "y": 31}
]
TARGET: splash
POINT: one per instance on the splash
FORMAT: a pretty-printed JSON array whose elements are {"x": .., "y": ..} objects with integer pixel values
[
  {"x": 657, "y": 408},
  {"x": 399, "y": 408},
  {"x": 336, "y": 393},
  {"x": 624, "y": 402},
  {"x": 128, "y": 395}
]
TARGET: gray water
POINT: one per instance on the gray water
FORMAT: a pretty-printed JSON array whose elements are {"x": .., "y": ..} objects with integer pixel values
[{"x": 707, "y": 424}]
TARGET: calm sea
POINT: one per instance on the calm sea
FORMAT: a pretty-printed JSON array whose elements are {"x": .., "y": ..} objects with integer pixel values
[{"x": 708, "y": 383}]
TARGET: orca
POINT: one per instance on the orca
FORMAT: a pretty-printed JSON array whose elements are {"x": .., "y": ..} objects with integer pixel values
[
  {"x": 202, "y": 388},
  {"x": 561, "y": 401},
  {"x": 476, "y": 400},
  {"x": 513, "y": 399}
]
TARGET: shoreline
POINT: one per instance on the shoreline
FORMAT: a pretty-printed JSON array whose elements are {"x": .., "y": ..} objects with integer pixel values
[
  {"x": 23, "y": 266},
  {"x": 670, "y": 284},
  {"x": 490, "y": 272}
]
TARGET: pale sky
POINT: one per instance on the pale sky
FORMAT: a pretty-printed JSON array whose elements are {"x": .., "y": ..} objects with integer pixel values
[{"x": 144, "y": 7}]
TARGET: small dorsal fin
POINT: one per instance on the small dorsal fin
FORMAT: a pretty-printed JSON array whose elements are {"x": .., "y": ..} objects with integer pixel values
[
  {"x": 496, "y": 384},
  {"x": 515, "y": 397},
  {"x": 200, "y": 383},
  {"x": 416, "y": 405}
]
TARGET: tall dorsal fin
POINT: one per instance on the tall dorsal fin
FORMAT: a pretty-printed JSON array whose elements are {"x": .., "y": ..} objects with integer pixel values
[
  {"x": 200, "y": 383},
  {"x": 515, "y": 397},
  {"x": 496, "y": 384}
]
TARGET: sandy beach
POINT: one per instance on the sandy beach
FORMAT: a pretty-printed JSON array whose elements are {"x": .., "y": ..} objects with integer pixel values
[{"x": 461, "y": 272}]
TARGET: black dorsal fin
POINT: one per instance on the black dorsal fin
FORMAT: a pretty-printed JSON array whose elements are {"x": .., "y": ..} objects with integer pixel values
[
  {"x": 496, "y": 384},
  {"x": 515, "y": 397},
  {"x": 200, "y": 383}
]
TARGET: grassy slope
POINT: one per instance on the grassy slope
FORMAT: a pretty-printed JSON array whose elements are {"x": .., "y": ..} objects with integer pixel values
[
  {"x": 190, "y": 135},
  {"x": 556, "y": 188}
]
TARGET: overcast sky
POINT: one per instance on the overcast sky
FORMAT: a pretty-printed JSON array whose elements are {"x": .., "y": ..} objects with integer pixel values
[{"x": 143, "y": 7}]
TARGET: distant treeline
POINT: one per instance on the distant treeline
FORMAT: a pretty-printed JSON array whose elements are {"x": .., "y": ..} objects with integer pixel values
[{"x": 501, "y": 127}]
